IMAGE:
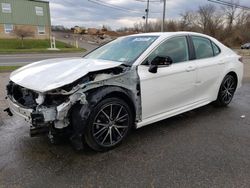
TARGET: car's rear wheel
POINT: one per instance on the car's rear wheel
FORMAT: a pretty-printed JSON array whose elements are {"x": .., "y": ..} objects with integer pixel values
[
  {"x": 108, "y": 125},
  {"x": 227, "y": 90}
]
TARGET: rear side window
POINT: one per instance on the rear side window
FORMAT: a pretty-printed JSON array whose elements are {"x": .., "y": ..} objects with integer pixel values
[{"x": 203, "y": 47}]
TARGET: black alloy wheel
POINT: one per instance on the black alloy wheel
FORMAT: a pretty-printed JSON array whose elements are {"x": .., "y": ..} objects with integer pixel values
[
  {"x": 227, "y": 90},
  {"x": 109, "y": 123}
]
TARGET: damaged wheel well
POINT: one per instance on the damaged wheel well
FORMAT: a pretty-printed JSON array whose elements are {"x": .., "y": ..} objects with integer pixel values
[
  {"x": 124, "y": 97},
  {"x": 80, "y": 113},
  {"x": 96, "y": 95}
]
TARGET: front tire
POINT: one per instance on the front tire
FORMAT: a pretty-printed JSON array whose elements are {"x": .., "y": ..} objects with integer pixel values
[
  {"x": 108, "y": 125},
  {"x": 227, "y": 90}
]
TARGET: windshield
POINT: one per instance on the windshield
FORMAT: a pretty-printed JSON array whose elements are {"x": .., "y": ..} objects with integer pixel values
[{"x": 125, "y": 50}]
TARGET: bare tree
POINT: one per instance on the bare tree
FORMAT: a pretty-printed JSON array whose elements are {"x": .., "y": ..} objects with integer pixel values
[
  {"x": 209, "y": 19},
  {"x": 23, "y": 33},
  {"x": 243, "y": 18},
  {"x": 188, "y": 21},
  {"x": 230, "y": 13},
  {"x": 230, "y": 25},
  {"x": 242, "y": 26}
]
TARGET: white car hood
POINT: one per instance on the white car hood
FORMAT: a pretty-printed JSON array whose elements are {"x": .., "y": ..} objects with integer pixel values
[{"x": 50, "y": 74}]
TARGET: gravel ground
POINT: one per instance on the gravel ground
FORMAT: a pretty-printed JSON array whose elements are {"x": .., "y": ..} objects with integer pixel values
[{"x": 207, "y": 147}]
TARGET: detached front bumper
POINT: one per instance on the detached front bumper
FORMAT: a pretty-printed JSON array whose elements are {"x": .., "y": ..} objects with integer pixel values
[
  {"x": 36, "y": 120},
  {"x": 42, "y": 116},
  {"x": 23, "y": 112}
]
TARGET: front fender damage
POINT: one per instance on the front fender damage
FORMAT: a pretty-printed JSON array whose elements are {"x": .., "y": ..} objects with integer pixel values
[
  {"x": 63, "y": 109},
  {"x": 87, "y": 92},
  {"x": 93, "y": 91}
]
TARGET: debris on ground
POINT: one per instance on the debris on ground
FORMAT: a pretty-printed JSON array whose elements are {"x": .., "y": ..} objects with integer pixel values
[{"x": 243, "y": 116}]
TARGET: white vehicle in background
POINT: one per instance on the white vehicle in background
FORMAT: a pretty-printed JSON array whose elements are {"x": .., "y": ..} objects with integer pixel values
[
  {"x": 132, "y": 81},
  {"x": 245, "y": 46}
]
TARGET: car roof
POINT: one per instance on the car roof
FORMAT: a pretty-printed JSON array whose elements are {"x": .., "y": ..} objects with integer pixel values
[{"x": 169, "y": 34}]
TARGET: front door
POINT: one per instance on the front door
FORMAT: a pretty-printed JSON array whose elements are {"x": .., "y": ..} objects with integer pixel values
[{"x": 172, "y": 86}]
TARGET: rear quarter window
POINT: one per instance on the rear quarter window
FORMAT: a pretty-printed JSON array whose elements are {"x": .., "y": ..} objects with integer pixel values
[{"x": 216, "y": 49}]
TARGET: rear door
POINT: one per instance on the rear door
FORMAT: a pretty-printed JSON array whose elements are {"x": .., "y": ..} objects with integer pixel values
[{"x": 209, "y": 67}]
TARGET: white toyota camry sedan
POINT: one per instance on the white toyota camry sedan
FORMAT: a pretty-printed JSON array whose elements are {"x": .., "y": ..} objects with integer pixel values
[{"x": 130, "y": 82}]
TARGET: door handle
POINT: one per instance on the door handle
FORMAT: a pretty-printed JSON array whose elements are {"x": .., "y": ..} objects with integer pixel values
[
  {"x": 221, "y": 62},
  {"x": 190, "y": 68}
]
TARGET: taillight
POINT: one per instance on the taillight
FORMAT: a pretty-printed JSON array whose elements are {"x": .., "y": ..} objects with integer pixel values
[{"x": 241, "y": 59}]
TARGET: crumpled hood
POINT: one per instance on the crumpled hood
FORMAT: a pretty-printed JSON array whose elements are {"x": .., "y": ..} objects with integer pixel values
[{"x": 50, "y": 74}]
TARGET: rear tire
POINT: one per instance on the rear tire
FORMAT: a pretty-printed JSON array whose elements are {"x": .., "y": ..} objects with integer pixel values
[
  {"x": 226, "y": 92},
  {"x": 108, "y": 124}
]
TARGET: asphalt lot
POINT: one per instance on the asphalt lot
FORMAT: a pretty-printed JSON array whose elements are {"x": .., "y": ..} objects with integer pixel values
[{"x": 207, "y": 147}]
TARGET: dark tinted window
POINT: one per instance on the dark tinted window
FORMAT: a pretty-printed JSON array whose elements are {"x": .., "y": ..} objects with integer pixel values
[
  {"x": 216, "y": 49},
  {"x": 203, "y": 47},
  {"x": 176, "y": 48}
]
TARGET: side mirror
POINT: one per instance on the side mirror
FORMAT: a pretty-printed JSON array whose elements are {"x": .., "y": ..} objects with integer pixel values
[
  {"x": 153, "y": 68},
  {"x": 158, "y": 60}
]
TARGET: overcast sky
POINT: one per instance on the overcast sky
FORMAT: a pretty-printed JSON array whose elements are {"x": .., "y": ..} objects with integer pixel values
[{"x": 85, "y": 13}]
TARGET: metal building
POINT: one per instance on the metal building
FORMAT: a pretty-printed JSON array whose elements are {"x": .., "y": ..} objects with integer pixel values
[{"x": 28, "y": 15}]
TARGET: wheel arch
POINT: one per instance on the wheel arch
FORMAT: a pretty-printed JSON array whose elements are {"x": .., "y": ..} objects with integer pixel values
[
  {"x": 94, "y": 96},
  {"x": 230, "y": 72},
  {"x": 119, "y": 92},
  {"x": 125, "y": 97},
  {"x": 233, "y": 73},
  {"x": 81, "y": 112}
]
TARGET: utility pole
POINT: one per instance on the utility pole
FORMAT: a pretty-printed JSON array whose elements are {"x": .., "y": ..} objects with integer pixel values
[
  {"x": 163, "y": 16},
  {"x": 147, "y": 11}
]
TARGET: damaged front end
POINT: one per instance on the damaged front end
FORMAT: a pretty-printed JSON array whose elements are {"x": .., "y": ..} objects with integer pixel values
[
  {"x": 50, "y": 110},
  {"x": 41, "y": 110}
]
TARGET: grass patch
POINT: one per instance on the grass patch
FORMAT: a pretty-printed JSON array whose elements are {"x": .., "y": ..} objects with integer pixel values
[
  {"x": 34, "y": 46},
  {"x": 8, "y": 68}
]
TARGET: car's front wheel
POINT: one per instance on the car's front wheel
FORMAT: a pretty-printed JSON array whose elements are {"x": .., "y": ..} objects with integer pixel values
[
  {"x": 227, "y": 90},
  {"x": 108, "y": 125}
]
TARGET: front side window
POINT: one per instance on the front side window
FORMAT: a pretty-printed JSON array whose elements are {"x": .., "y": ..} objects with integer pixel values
[
  {"x": 175, "y": 48},
  {"x": 8, "y": 28},
  {"x": 41, "y": 30},
  {"x": 203, "y": 47},
  {"x": 39, "y": 11},
  {"x": 125, "y": 50},
  {"x": 6, "y": 7}
]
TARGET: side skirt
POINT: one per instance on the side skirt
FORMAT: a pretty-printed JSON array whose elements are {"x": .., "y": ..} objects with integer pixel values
[{"x": 172, "y": 113}]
